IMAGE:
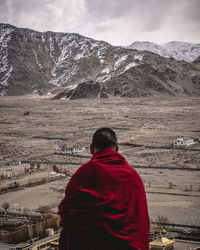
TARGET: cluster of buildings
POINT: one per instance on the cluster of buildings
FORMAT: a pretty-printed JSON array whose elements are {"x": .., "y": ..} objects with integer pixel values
[
  {"x": 48, "y": 243},
  {"x": 158, "y": 242},
  {"x": 28, "y": 229},
  {"x": 186, "y": 141},
  {"x": 75, "y": 150},
  {"x": 161, "y": 242}
]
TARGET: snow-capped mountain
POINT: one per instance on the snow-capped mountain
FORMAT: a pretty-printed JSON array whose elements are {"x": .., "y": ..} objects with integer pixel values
[
  {"x": 74, "y": 66},
  {"x": 178, "y": 50},
  {"x": 35, "y": 62}
]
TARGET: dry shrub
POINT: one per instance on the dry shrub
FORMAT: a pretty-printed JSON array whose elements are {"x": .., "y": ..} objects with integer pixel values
[
  {"x": 66, "y": 172},
  {"x": 44, "y": 180},
  {"x": 63, "y": 146},
  {"x": 3, "y": 176},
  {"x": 37, "y": 181},
  {"x": 8, "y": 187},
  {"x": 26, "y": 170},
  {"x": 6, "y": 205},
  {"x": 44, "y": 209},
  {"x": 16, "y": 184},
  {"x": 26, "y": 210},
  {"x": 188, "y": 188},
  {"x": 55, "y": 168},
  {"x": 61, "y": 170},
  {"x": 38, "y": 165},
  {"x": 170, "y": 185},
  {"x": 162, "y": 219},
  {"x": 4, "y": 188}
]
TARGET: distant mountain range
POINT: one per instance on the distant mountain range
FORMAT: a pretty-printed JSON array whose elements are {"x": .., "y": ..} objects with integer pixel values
[
  {"x": 188, "y": 52},
  {"x": 72, "y": 66}
]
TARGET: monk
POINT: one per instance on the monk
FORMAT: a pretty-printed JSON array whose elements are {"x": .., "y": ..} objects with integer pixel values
[{"x": 105, "y": 205}]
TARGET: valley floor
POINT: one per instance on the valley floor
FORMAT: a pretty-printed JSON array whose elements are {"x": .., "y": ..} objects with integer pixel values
[{"x": 35, "y": 129}]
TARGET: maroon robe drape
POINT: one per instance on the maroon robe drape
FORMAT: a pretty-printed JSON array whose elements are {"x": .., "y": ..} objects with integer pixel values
[{"x": 107, "y": 193}]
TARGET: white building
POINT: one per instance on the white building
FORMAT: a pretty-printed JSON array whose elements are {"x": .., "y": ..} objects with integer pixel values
[
  {"x": 183, "y": 142},
  {"x": 74, "y": 150}
]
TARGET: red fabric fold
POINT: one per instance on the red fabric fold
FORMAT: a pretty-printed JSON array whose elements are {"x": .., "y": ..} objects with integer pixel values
[{"x": 107, "y": 193}]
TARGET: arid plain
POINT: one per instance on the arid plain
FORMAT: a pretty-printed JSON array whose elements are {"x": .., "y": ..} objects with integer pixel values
[{"x": 35, "y": 129}]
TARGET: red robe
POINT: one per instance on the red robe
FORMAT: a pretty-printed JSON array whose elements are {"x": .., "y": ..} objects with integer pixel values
[{"x": 107, "y": 193}]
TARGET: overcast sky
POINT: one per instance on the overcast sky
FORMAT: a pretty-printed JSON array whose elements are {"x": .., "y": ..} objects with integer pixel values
[{"x": 119, "y": 22}]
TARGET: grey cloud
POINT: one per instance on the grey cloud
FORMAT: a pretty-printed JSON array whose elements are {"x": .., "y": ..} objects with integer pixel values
[
  {"x": 153, "y": 11},
  {"x": 42, "y": 15},
  {"x": 191, "y": 10},
  {"x": 115, "y": 21},
  {"x": 146, "y": 14},
  {"x": 15, "y": 11},
  {"x": 104, "y": 10}
]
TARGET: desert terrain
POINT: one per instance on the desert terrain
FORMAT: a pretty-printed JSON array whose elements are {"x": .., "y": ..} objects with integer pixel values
[{"x": 34, "y": 130}]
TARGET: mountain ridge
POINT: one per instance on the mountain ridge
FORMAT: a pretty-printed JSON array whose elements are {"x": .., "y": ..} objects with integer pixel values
[
  {"x": 178, "y": 50},
  {"x": 74, "y": 66}
]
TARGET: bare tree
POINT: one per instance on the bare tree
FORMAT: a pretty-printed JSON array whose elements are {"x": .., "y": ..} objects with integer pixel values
[
  {"x": 38, "y": 165},
  {"x": 162, "y": 219},
  {"x": 170, "y": 185},
  {"x": 6, "y": 206}
]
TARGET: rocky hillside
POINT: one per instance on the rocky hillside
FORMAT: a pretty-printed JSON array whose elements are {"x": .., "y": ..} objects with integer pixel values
[{"x": 74, "y": 66}]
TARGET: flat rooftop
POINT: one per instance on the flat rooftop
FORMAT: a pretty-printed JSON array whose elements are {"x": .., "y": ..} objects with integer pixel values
[
  {"x": 12, "y": 220},
  {"x": 182, "y": 244}
]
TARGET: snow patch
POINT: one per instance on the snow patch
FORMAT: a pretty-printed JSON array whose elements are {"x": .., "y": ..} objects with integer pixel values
[
  {"x": 5, "y": 67},
  {"x": 3, "y": 92},
  {"x": 106, "y": 70},
  {"x": 79, "y": 56},
  {"x": 56, "y": 174},
  {"x": 4, "y": 79},
  {"x": 93, "y": 45},
  {"x": 65, "y": 76},
  {"x": 130, "y": 65},
  {"x": 100, "y": 54},
  {"x": 103, "y": 78},
  {"x": 120, "y": 61},
  {"x": 37, "y": 60},
  {"x": 70, "y": 87},
  {"x": 51, "y": 47},
  {"x": 64, "y": 99},
  {"x": 138, "y": 57},
  {"x": 5, "y": 36}
]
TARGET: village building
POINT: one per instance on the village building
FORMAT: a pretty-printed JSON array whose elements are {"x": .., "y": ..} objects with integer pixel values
[
  {"x": 161, "y": 242},
  {"x": 46, "y": 243},
  {"x": 184, "y": 142},
  {"x": 12, "y": 224},
  {"x": 76, "y": 150},
  {"x": 4, "y": 246},
  {"x": 25, "y": 246}
]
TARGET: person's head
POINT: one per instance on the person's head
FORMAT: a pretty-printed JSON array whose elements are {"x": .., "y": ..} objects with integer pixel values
[{"x": 103, "y": 138}]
